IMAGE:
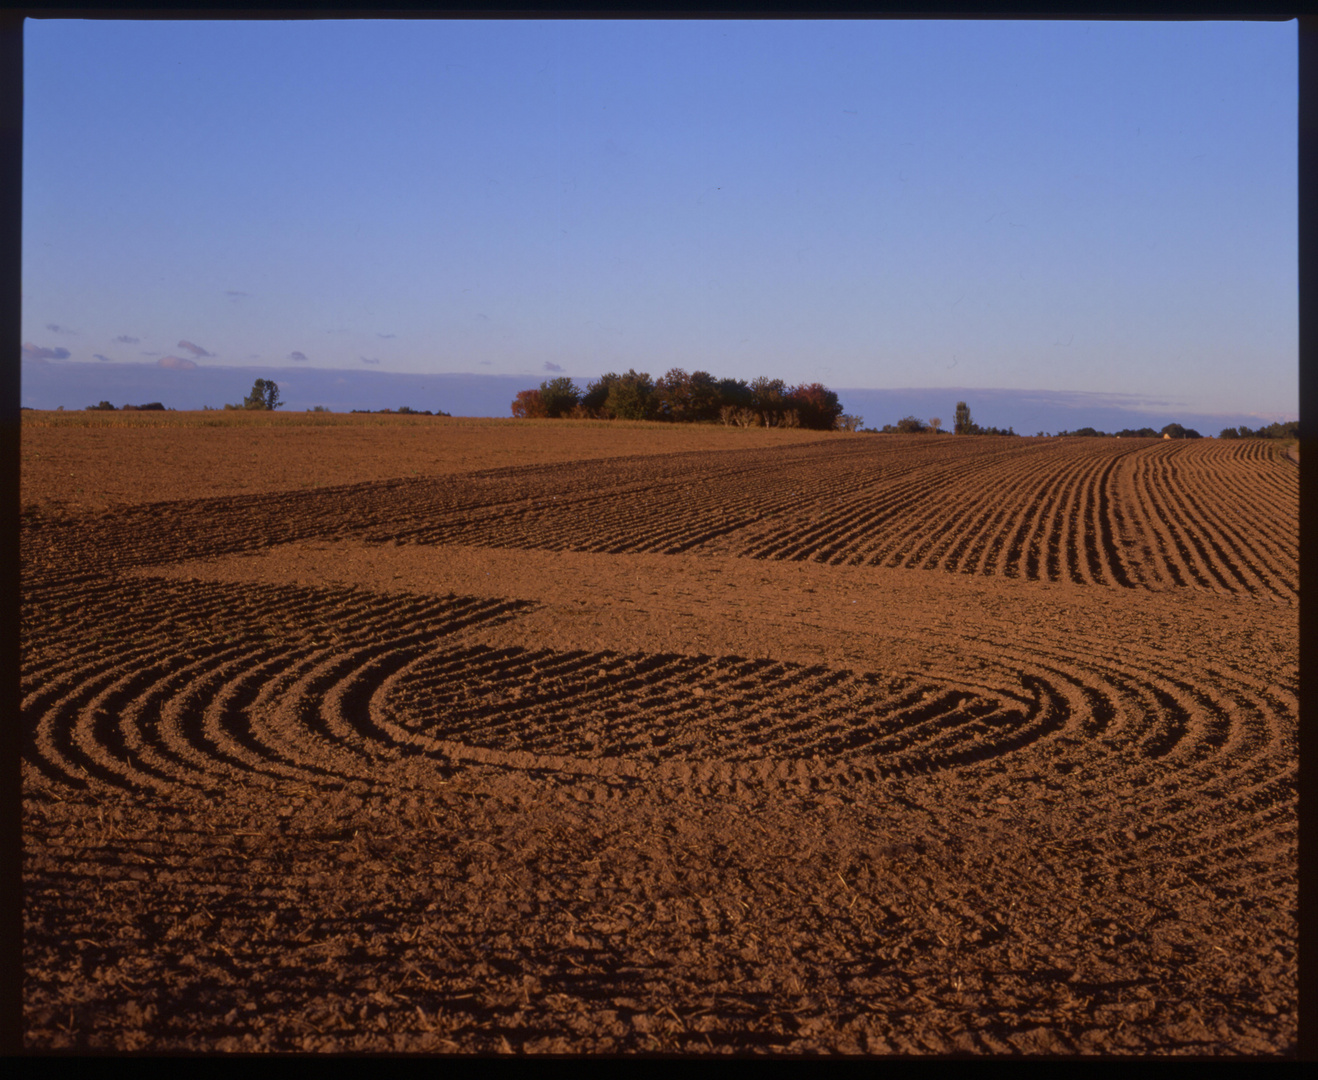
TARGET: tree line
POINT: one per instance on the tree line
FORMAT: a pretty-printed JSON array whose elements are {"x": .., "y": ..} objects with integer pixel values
[
  {"x": 682, "y": 397},
  {"x": 1288, "y": 430},
  {"x": 1172, "y": 431},
  {"x": 962, "y": 425}
]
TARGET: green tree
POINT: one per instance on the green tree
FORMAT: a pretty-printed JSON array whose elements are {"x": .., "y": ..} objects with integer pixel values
[
  {"x": 264, "y": 395},
  {"x": 963, "y": 425},
  {"x": 626, "y": 397},
  {"x": 560, "y": 396}
]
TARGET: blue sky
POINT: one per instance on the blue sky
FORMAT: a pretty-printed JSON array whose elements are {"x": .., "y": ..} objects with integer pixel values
[{"x": 1069, "y": 206}]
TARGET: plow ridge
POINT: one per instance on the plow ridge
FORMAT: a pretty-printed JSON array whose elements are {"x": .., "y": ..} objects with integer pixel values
[
  {"x": 621, "y": 797},
  {"x": 1091, "y": 512},
  {"x": 321, "y": 713}
]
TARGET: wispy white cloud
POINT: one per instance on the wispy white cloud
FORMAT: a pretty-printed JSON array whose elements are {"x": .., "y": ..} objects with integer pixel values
[
  {"x": 177, "y": 363},
  {"x": 386, "y": 335},
  {"x": 370, "y": 360},
  {"x": 103, "y": 359},
  {"x": 57, "y": 329},
  {"x": 124, "y": 339},
  {"x": 196, "y": 350},
  {"x": 296, "y": 355},
  {"x": 549, "y": 366}
]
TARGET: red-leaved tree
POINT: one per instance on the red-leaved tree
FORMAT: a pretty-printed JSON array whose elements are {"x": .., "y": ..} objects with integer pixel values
[{"x": 530, "y": 405}]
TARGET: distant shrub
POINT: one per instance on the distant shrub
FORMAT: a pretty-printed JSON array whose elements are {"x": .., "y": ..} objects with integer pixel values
[
  {"x": 911, "y": 425},
  {"x": 847, "y": 422},
  {"x": 103, "y": 405}
]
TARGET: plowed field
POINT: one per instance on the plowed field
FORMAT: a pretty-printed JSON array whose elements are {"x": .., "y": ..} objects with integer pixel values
[{"x": 850, "y": 744}]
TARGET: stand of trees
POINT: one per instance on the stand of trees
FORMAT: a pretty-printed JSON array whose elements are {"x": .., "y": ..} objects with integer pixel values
[
  {"x": 264, "y": 395},
  {"x": 1289, "y": 430},
  {"x": 911, "y": 425},
  {"x": 682, "y": 397},
  {"x": 402, "y": 410},
  {"x": 1174, "y": 431}
]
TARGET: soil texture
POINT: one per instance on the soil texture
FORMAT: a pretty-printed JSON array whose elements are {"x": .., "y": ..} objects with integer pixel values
[{"x": 858, "y": 744}]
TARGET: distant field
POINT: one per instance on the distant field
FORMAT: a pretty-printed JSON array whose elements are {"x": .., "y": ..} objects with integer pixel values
[
  {"x": 486, "y": 736},
  {"x": 92, "y": 460}
]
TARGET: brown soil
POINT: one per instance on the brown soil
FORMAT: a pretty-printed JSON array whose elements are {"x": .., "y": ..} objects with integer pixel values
[
  {"x": 860, "y": 744},
  {"x": 91, "y": 461}
]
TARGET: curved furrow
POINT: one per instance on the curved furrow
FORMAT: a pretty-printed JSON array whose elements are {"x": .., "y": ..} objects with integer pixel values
[
  {"x": 1205, "y": 534},
  {"x": 1252, "y": 551},
  {"x": 979, "y": 546},
  {"x": 1008, "y": 546},
  {"x": 143, "y": 723},
  {"x": 209, "y": 724},
  {"x": 728, "y": 707},
  {"x": 833, "y": 530},
  {"x": 1037, "y": 543},
  {"x": 882, "y": 496},
  {"x": 180, "y": 710},
  {"x": 100, "y": 734},
  {"x": 49, "y": 726},
  {"x": 904, "y": 505},
  {"x": 1222, "y": 714},
  {"x": 1165, "y": 558},
  {"x": 1061, "y": 541},
  {"x": 992, "y": 552},
  {"x": 1076, "y": 539},
  {"x": 1110, "y": 523},
  {"x": 1193, "y": 550}
]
